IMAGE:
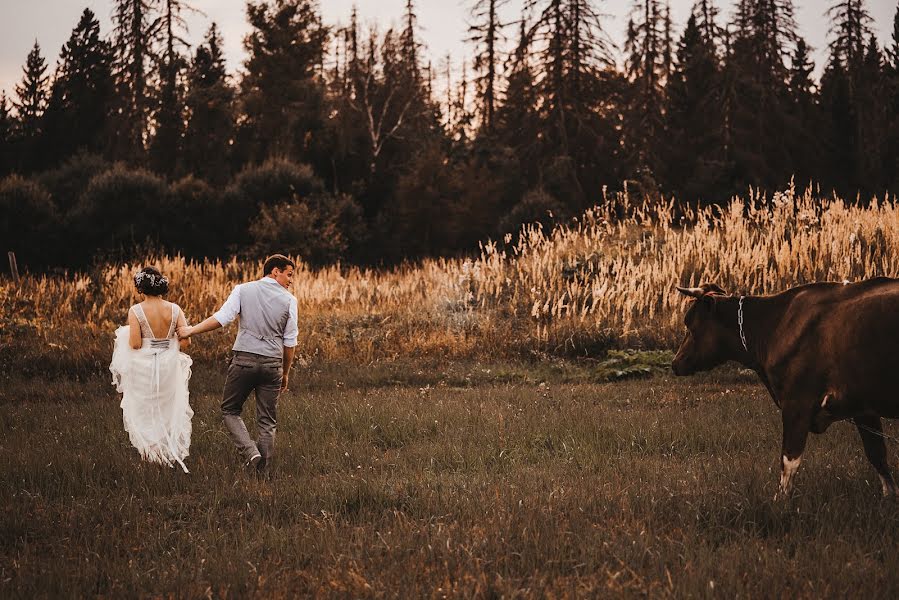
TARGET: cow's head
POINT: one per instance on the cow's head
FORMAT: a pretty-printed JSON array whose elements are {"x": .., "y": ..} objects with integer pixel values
[{"x": 707, "y": 338}]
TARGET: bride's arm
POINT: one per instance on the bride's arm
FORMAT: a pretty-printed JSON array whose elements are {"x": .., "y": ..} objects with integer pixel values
[
  {"x": 134, "y": 337},
  {"x": 182, "y": 322}
]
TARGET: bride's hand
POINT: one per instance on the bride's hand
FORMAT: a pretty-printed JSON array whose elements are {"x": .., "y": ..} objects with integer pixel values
[{"x": 185, "y": 332}]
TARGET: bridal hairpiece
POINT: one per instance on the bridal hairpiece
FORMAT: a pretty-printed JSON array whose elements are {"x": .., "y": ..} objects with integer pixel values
[{"x": 151, "y": 278}]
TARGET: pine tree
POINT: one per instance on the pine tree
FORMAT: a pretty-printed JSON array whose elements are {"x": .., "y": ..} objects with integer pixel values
[
  {"x": 667, "y": 44},
  {"x": 801, "y": 82},
  {"x": 842, "y": 88},
  {"x": 891, "y": 157},
  {"x": 805, "y": 120},
  {"x": 342, "y": 153},
  {"x": 872, "y": 119},
  {"x": 32, "y": 94},
  {"x": 7, "y": 129},
  {"x": 517, "y": 121},
  {"x": 168, "y": 110},
  {"x": 706, "y": 13},
  {"x": 759, "y": 95},
  {"x": 409, "y": 40},
  {"x": 486, "y": 34},
  {"x": 647, "y": 71},
  {"x": 460, "y": 128},
  {"x": 282, "y": 93},
  {"x": 136, "y": 32},
  {"x": 893, "y": 50},
  {"x": 850, "y": 26},
  {"x": 81, "y": 97},
  {"x": 210, "y": 112},
  {"x": 695, "y": 119},
  {"x": 573, "y": 54}
]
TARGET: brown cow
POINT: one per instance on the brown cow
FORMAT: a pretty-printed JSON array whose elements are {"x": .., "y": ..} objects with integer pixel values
[{"x": 825, "y": 351}]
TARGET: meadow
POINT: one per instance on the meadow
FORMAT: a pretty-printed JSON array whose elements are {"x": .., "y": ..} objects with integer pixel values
[
  {"x": 457, "y": 481},
  {"x": 499, "y": 426}
]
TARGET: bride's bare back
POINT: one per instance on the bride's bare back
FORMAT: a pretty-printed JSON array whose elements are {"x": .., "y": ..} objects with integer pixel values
[{"x": 158, "y": 313}]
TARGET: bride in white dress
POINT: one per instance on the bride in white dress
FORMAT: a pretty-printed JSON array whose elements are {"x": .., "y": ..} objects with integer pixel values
[{"x": 152, "y": 374}]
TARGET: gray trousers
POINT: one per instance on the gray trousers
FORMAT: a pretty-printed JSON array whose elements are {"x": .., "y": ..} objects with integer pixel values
[{"x": 248, "y": 372}]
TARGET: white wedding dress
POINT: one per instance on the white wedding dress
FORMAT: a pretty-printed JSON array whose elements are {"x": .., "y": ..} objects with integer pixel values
[{"x": 153, "y": 382}]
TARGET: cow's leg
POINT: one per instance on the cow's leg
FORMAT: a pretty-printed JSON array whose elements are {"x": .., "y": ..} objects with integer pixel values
[
  {"x": 795, "y": 433},
  {"x": 871, "y": 432}
]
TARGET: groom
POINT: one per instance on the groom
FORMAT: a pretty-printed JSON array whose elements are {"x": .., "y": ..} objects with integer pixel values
[{"x": 262, "y": 354}]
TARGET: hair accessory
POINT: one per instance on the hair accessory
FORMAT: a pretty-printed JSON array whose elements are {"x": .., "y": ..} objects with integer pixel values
[{"x": 151, "y": 278}]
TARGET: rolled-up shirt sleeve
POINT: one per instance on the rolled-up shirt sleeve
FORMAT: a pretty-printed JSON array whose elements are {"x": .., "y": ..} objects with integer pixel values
[
  {"x": 230, "y": 309},
  {"x": 291, "y": 330}
]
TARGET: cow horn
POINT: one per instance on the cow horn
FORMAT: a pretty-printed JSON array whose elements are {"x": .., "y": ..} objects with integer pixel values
[{"x": 692, "y": 292}]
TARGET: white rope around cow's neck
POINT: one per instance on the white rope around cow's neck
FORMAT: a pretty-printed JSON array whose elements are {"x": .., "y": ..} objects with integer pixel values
[{"x": 740, "y": 323}]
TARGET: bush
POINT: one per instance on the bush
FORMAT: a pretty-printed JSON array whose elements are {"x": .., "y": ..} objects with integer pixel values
[
  {"x": 320, "y": 230},
  {"x": 196, "y": 211},
  {"x": 560, "y": 181},
  {"x": 123, "y": 210},
  {"x": 67, "y": 182},
  {"x": 274, "y": 182},
  {"x": 537, "y": 206},
  {"x": 28, "y": 222}
]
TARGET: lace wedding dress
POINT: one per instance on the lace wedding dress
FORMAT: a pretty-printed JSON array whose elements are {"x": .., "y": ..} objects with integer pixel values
[{"x": 153, "y": 383}]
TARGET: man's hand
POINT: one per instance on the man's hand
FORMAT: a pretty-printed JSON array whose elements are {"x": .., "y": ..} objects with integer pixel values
[
  {"x": 286, "y": 363},
  {"x": 185, "y": 332}
]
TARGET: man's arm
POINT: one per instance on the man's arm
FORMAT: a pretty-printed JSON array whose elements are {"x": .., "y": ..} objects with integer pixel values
[
  {"x": 287, "y": 362},
  {"x": 291, "y": 332},
  {"x": 209, "y": 324},
  {"x": 227, "y": 313}
]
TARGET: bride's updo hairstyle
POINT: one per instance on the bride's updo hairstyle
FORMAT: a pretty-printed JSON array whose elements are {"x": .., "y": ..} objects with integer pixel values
[{"x": 151, "y": 282}]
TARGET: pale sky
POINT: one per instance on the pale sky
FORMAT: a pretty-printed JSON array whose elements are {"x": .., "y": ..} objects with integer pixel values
[{"x": 443, "y": 25}]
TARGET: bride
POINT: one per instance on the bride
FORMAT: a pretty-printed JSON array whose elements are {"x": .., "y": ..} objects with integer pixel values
[{"x": 152, "y": 374}]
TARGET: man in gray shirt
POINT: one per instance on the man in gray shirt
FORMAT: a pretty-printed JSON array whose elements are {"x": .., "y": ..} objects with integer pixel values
[{"x": 261, "y": 357}]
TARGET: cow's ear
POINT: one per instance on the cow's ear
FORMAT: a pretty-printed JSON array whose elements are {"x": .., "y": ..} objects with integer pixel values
[{"x": 692, "y": 292}]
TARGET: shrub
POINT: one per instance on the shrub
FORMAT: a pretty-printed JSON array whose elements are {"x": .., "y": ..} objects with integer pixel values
[
  {"x": 67, "y": 182},
  {"x": 560, "y": 181},
  {"x": 276, "y": 181},
  {"x": 318, "y": 230},
  {"x": 122, "y": 210},
  {"x": 537, "y": 206},
  {"x": 195, "y": 227},
  {"x": 28, "y": 221}
]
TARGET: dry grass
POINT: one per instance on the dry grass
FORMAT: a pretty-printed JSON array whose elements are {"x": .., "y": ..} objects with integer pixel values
[{"x": 604, "y": 281}]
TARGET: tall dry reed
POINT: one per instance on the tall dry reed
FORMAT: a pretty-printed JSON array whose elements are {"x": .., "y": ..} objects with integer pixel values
[{"x": 604, "y": 280}]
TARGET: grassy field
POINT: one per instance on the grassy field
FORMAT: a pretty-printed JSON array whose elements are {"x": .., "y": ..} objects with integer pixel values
[
  {"x": 436, "y": 479},
  {"x": 457, "y": 427}
]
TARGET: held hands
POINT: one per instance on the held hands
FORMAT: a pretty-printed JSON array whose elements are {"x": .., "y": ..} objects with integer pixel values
[{"x": 185, "y": 331}]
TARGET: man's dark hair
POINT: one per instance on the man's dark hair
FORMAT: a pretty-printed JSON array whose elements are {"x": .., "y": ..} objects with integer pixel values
[
  {"x": 151, "y": 282},
  {"x": 277, "y": 261}
]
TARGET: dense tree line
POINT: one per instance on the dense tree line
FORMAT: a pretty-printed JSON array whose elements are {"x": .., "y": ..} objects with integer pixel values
[{"x": 339, "y": 143}]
